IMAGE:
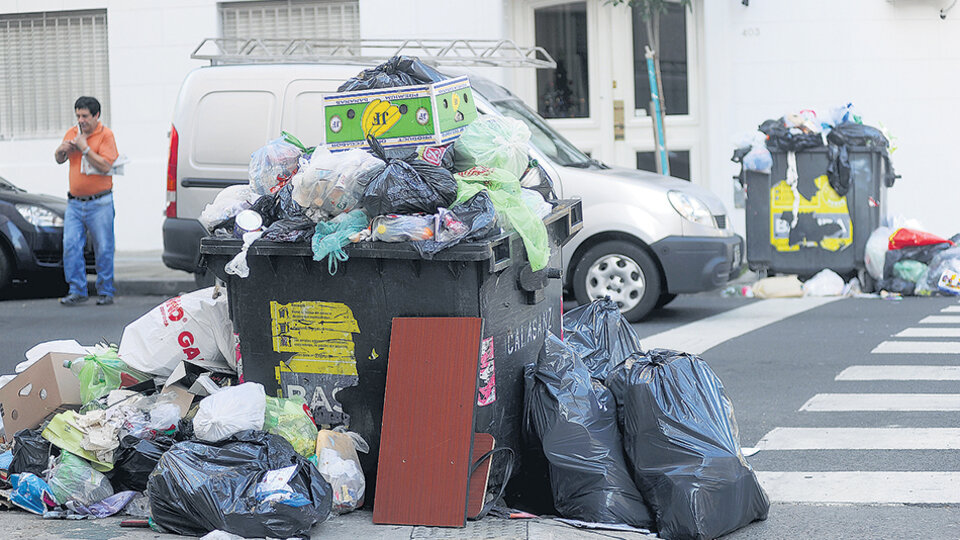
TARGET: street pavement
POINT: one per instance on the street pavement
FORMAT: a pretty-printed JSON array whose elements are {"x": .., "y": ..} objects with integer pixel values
[{"x": 850, "y": 405}]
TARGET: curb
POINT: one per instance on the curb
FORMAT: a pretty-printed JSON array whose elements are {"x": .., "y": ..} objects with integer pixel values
[{"x": 147, "y": 287}]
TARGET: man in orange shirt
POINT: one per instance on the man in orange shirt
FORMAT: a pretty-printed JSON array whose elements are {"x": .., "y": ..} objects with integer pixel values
[{"x": 91, "y": 149}]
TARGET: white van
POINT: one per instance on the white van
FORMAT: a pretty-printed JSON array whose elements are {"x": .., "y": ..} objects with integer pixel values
[{"x": 645, "y": 237}]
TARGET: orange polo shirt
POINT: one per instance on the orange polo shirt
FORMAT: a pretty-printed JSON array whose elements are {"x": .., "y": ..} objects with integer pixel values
[{"x": 100, "y": 141}]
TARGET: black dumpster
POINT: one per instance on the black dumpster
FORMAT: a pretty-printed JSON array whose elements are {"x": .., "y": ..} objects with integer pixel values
[
  {"x": 327, "y": 337},
  {"x": 824, "y": 230}
]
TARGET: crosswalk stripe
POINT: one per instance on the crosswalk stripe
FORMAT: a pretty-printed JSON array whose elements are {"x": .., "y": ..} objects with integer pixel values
[
  {"x": 697, "y": 337},
  {"x": 917, "y": 347},
  {"x": 882, "y": 402},
  {"x": 866, "y": 487},
  {"x": 929, "y": 332},
  {"x": 941, "y": 319},
  {"x": 951, "y": 309},
  {"x": 782, "y": 438},
  {"x": 900, "y": 373}
]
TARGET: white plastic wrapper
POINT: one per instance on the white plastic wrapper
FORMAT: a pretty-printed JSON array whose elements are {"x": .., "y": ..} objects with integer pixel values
[
  {"x": 229, "y": 411},
  {"x": 825, "y": 283},
  {"x": 194, "y": 327},
  {"x": 875, "y": 253},
  {"x": 229, "y": 202},
  {"x": 277, "y": 160}
]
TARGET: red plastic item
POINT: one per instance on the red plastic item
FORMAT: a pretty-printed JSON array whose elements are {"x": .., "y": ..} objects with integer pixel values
[{"x": 902, "y": 238}]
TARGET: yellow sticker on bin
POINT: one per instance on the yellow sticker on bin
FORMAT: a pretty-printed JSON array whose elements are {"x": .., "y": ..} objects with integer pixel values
[
  {"x": 321, "y": 333},
  {"x": 827, "y": 209}
]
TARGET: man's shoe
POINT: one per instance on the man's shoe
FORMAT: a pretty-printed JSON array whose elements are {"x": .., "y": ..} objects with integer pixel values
[
  {"x": 73, "y": 300},
  {"x": 104, "y": 300}
]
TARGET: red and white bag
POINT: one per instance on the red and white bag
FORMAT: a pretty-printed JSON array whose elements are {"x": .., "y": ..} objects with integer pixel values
[{"x": 194, "y": 327}]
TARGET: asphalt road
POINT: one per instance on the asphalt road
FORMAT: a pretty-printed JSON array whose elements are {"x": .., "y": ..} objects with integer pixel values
[{"x": 769, "y": 374}]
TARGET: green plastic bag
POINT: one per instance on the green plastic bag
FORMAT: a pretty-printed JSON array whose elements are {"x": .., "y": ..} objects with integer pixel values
[
  {"x": 103, "y": 372},
  {"x": 504, "y": 190},
  {"x": 331, "y": 236},
  {"x": 497, "y": 142},
  {"x": 73, "y": 479},
  {"x": 909, "y": 270},
  {"x": 288, "y": 418}
]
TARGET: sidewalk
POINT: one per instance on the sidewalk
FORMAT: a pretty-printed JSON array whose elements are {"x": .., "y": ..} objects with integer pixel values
[
  {"x": 143, "y": 273},
  {"x": 18, "y": 525}
]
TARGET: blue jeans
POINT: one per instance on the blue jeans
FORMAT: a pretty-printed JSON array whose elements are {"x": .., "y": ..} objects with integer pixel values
[{"x": 95, "y": 216}]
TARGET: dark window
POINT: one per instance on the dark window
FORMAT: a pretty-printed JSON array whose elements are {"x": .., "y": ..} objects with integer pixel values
[
  {"x": 563, "y": 92},
  {"x": 679, "y": 163},
  {"x": 673, "y": 60}
]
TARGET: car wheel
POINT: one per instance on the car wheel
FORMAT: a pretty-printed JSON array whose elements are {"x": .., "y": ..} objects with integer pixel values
[
  {"x": 624, "y": 272},
  {"x": 665, "y": 298},
  {"x": 6, "y": 268}
]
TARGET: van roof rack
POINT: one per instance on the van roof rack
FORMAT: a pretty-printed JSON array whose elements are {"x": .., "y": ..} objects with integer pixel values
[{"x": 450, "y": 52}]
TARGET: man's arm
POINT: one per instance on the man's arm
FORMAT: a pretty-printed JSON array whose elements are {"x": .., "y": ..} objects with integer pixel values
[
  {"x": 99, "y": 162},
  {"x": 62, "y": 153}
]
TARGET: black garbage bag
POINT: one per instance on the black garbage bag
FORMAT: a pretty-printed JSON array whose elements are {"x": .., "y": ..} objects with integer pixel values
[
  {"x": 134, "y": 460},
  {"x": 31, "y": 452},
  {"x": 290, "y": 230},
  {"x": 441, "y": 156},
  {"x": 198, "y": 487},
  {"x": 407, "y": 186},
  {"x": 575, "y": 419},
  {"x": 478, "y": 218},
  {"x": 397, "y": 71},
  {"x": 924, "y": 254},
  {"x": 680, "y": 437},
  {"x": 782, "y": 138},
  {"x": 600, "y": 335},
  {"x": 896, "y": 285}
]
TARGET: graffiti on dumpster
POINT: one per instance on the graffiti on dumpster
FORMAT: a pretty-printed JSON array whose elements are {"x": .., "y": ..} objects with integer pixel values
[
  {"x": 530, "y": 332},
  {"x": 321, "y": 336},
  {"x": 488, "y": 374},
  {"x": 822, "y": 221}
]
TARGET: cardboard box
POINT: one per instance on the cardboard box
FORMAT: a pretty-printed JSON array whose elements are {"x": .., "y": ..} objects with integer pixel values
[
  {"x": 432, "y": 114},
  {"x": 42, "y": 390}
]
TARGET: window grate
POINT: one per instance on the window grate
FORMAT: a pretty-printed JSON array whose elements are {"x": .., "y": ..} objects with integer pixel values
[
  {"x": 47, "y": 61},
  {"x": 331, "y": 19}
]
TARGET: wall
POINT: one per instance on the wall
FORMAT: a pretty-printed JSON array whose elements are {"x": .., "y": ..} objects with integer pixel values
[
  {"x": 150, "y": 42},
  {"x": 897, "y": 61}
]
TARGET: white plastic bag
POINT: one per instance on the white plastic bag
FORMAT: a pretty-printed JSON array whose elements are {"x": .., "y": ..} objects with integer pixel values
[
  {"x": 330, "y": 184},
  {"x": 339, "y": 464},
  {"x": 229, "y": 411},
  {"x": 229, "y": 202},
  {"x": 273, "y": 163},
  {"x": 875, "y": 253},
  {"x": 194, "y": 327},
  {"x": 237, "y": 266},
  {"x": 825, "y": 283}
]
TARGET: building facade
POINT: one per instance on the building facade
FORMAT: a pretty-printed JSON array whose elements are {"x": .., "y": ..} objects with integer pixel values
[{"x": 727, "y": 66}]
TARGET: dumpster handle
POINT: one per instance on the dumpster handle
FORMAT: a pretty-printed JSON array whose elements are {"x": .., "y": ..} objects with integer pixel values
[{"x": 502, "y": 254}]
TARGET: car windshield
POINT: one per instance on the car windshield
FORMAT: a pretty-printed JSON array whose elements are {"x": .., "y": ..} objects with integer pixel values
[{"x": 542, "y": 136}]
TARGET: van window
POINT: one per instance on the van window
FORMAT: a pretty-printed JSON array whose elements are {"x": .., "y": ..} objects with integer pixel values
[
  {"x": 230, "y": 125},
  {"x": 543, "y": 137}
]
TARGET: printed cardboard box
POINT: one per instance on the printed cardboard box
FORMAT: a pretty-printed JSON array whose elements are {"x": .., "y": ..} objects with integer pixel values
[
  {"x": 42, "y": 390},
  {"x": 432, "y": 114}
]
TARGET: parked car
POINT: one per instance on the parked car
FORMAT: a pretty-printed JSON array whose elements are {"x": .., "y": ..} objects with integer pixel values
[
  {"x": 31, "y": 237},
  {"x": 645, "y": 238}
]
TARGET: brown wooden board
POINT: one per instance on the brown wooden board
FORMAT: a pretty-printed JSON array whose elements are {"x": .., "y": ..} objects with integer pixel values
[
  {"x": 427, "y": 431},
  {"x": 482, "y": 443}
]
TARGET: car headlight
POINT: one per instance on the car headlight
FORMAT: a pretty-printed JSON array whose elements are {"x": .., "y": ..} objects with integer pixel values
[
  {"x": 691, "y": 208},
  {"x": 39, "y": 216}
]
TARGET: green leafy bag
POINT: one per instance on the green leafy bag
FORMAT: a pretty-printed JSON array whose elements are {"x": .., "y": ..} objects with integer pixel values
[
  {"x": 103, "y": 372},
  {"x": 497, "y": 142},
  {"x": 73, "y": 479},
  {"x": 331, "y": 236},
  {"x": 504, "y": 190},
  {"x": 288, "y": 418},
  {"x": 909, "y": 270}
]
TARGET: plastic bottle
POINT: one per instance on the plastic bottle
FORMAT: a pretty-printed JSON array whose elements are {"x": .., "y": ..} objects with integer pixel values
[{"x": 75, "y": 365}]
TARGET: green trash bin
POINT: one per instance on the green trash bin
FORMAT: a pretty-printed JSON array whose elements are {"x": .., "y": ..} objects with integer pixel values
[
  {"x": 327, "y": 337},
  {"x": 827, "y": 230}
]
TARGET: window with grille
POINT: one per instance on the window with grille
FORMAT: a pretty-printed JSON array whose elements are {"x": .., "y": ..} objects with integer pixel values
[
  {"x": 291, "y": 19},
  {"x": 47, "y": 61}
]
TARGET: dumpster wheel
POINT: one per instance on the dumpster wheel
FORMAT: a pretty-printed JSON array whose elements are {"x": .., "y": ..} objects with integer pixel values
[{"x": 624, "y": 272}]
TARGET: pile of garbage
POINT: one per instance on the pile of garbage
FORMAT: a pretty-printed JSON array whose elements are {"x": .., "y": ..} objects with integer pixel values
[
  {"x": 911, "y": 262},
  {"x": 382, "y": 189},
  {"x": 161, "y": 429},
  {"x": 642, "y": 438},
  {"x": 803, "y": 130}
]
